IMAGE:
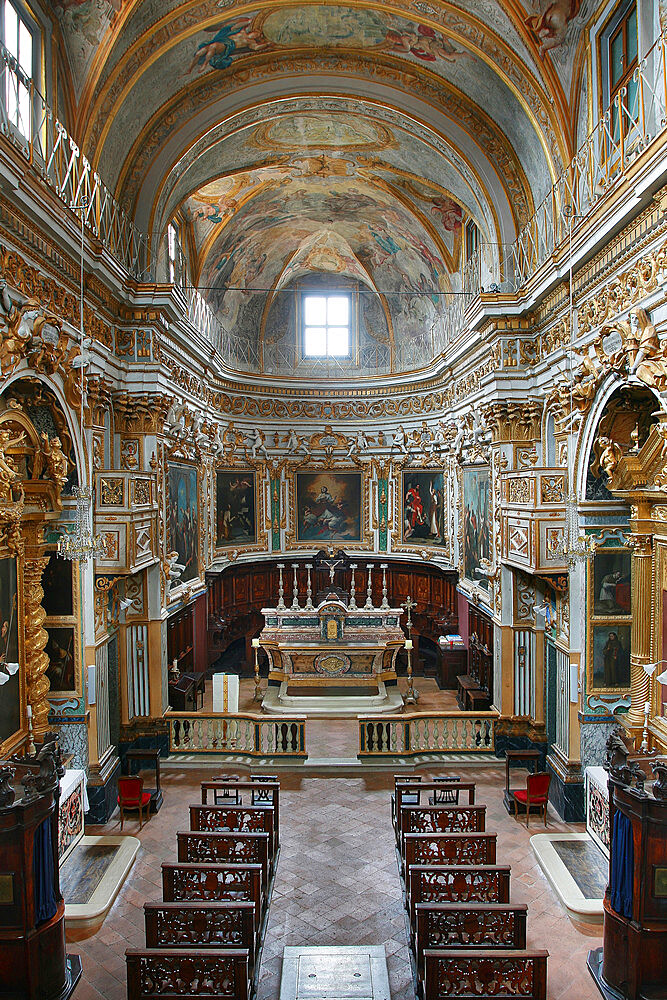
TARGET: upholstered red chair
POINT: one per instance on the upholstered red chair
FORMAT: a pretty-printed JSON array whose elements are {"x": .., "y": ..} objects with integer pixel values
[
  {"x": 131, "y": 795},
  {"x": 536, "y": 793}
]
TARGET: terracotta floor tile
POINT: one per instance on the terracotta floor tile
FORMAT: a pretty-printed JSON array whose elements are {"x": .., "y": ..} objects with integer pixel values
[{"x": 337, "y": 880}]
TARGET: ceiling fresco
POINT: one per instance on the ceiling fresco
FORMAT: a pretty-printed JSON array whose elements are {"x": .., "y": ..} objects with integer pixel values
[{"x": 349, "y": 140}]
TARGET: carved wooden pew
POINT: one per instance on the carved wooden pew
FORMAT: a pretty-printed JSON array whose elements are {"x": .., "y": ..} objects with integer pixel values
[
  {"x": 473, "y": 925},
  {"x": 485, "y": 973},
  {"x": 235, "y": 819},
  {"x": 258, "y": 792},
  {"x": 456, "y": 884},
  {"x": 417, "y": 793},
  {"x": 441, "y": 819},
  {"x": 449, "y": 849},
  {"x": 187, "y": 973},
  {"x": 216, "y": 848},
  {"x": 207, "y": 883},
  {"x": 219, "y": 925}
]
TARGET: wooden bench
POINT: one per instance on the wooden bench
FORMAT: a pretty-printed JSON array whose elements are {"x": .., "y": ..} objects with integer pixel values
[
  {"x": 260, "y": 791},
  {"x": 203, "y": 925},
  {"x": 408, "y": 793},
  {"x": 215, "y": 848},
  {"x": 477, "y": 700},
  {"x": 463, "y": 973},
  {"x": 465, "y": 683},
  {"x": 456, "y": 884},
  {"x": 175, "y": 972},
  {"x": 441, "y": 819},
  {"x": 235, "y": 819},
  {"x": 208, "y": 883},
  {"x": 449, "y": 849},
  {"x": 474, "y": 925}
]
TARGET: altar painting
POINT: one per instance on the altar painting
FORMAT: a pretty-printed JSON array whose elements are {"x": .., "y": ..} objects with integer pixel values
[
  {"x": 611, "y": 582},
  {"x": 61, "y": 651},
  {"x": 423, "y": 508},
  {"x": 183, "y": 518},
  {"x": 10, "y": 692},
  {"x": 236, "y": 515},
  {"x": 476, "y": 524},
  {"x": 611, "y": 657},
  {"x": 328, "y": 506}
]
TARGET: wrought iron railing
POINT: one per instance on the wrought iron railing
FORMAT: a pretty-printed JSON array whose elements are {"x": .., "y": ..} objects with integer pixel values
[
  {"x": 429, "y": 733},
  {"x": 241, "y": 734},
  {"x": 636, "y": 116},
  {"x": 29, "y": 123}
]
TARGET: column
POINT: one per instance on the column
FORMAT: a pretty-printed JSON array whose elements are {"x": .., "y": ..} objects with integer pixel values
[
  {"x": 641, "y": 634},
  {"x": 36, "y": 636}
]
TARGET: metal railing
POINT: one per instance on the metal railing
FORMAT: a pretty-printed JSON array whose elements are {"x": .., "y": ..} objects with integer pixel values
[
  {"x": 245, "y": 735},
  {"x": 431, "y": 733},
  {"x": 635, "y": 117},
  {"x": 29, "y": 123}
]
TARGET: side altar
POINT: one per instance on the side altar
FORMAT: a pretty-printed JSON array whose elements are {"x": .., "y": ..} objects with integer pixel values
[{"x": 332, "y": 658}]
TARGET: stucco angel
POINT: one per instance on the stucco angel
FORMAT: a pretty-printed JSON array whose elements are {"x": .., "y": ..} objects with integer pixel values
[
  {"x": 647, "y": 358},
  {"x": 56, "y": 461},
  {"x": 8, "y": 474}
]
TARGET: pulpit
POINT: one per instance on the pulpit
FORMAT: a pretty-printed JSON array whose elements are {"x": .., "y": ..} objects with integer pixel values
[{"x": 332, "y": 658}]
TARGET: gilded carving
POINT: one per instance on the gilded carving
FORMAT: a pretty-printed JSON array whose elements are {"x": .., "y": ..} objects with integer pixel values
[
  {"x": 520, "y": 491},
  {"x": 623, "y": 291},
  {"x": 36, "y": 638},
  {"x": 552, "y": 489},
  {"x": 112, "y": 492},
  {"x": 141, "y": 491}
]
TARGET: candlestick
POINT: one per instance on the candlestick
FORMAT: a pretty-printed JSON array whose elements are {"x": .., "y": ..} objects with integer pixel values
[
  {"x": 281, "y": 603},
  {"x": 353, "y": 603},
  {"x": 31, "y": 740},
  {"x": 411, "y": 695},
  {"x": 369, "y": 588},
  {"x": 295, "y": 603},
  {"x": 258, "y": 690},
  {"x": 309, "y": 591},
  {"x": 384, "y": 604}
]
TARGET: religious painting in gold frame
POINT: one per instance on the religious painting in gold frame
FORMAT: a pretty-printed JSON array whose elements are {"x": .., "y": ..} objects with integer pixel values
[
  {"x": 60, "y": 583},
  {"x": 12, "y": 674},
  {"x": 328, "y": 507},
  {"x": 236, "y": 507},
  {"x": 609, "y": 621}
]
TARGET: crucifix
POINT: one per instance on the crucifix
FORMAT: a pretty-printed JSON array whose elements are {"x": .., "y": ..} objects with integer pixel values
[
  {"x": 332, "y": 564},
  {"x": 409, "y": 604}
]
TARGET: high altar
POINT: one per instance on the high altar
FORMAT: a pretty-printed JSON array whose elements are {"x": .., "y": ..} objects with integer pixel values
[{"x": 332, "y": 648}]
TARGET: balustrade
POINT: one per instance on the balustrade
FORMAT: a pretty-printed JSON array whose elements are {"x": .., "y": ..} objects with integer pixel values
[
  {"x": 241, "y": 734},
  {"x": 442, "y": 732}
]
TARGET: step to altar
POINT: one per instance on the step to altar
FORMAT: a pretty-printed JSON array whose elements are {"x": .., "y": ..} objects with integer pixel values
[{"x": 278, "y": 701}]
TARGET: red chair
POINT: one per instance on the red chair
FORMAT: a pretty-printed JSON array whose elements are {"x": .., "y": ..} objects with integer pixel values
[
  {"x": 536, "y": 794},
  {"x": 131, "y": 795}
]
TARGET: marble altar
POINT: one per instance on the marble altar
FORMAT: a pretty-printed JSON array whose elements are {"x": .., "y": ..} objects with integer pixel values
[{"x": 345, "y": 656}]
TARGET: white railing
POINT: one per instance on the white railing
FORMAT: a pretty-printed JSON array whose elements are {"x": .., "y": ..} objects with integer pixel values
[
  {"x": 432, "y": 733},
  {"x": 28, "y": 122},
  {"x": 102, "y": 700},
  {"x": 251, "y": 735},
  {"x": 138, "y": 693}
]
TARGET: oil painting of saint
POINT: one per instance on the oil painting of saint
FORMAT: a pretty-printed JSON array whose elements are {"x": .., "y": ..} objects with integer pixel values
[
  {"x": 611, "y": 656},
  {"x": 423, "y": 508},
  {"x": 476, "y": 527},
  {"x": 235, "y": 508},
  {"x": 183, "y": 518},
  {"x": 328, "y": 506}
]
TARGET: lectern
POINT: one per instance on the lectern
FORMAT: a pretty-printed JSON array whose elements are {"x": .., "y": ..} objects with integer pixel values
[
  {"x": 33, "y": 961},
  {"x": 632, "y": 964}
]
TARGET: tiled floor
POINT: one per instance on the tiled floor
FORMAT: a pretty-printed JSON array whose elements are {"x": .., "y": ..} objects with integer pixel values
[{"x": 337, "y": 883}]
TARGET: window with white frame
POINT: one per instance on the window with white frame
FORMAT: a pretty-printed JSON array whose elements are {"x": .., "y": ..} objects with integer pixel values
[
  {"x": 19, "y": 38},
  {"x": 174, "y": 252},
  {"x": 620, "y": 53},
  {"x": 327, "y": 325}
]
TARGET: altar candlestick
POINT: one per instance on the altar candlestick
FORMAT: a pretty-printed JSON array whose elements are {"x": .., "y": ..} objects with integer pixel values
[
  {"x": 411, "y": 695},
  {"x": 31, "y": 741},
  {"x": 369, "y": 588},
  {"x": 384, "y": 605},
  {"x": 281, "y": 603},
  {"x": 309, "y": 591},
  {"x": 353, "y": 603},
  {"x": 258, "y": 690},
  {"x": 295, "y": 602}
]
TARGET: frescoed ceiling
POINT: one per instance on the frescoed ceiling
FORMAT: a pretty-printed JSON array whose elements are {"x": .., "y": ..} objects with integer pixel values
[{"x": 283, "y": 135}]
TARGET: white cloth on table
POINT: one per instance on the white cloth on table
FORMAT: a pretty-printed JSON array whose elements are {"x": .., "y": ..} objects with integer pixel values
[
  {"x": 226, "y": 693},
  {"x": 69, "y": 781}
]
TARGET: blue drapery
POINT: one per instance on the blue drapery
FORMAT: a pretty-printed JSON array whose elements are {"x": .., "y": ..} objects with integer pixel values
[
  {"x": 43, "y": 871},
  {"x": 622, "y": 865}
]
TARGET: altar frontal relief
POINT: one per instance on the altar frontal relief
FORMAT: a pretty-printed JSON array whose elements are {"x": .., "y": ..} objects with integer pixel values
[
  {"x": 235, "y": 508},
  {"x": 328, "y": 506},
  {"x": 476, "y": 529},
  {"x": 10, "y": 701},
  {"x": 183, "y": 518},
  {"x": 423, "y": 508}
]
